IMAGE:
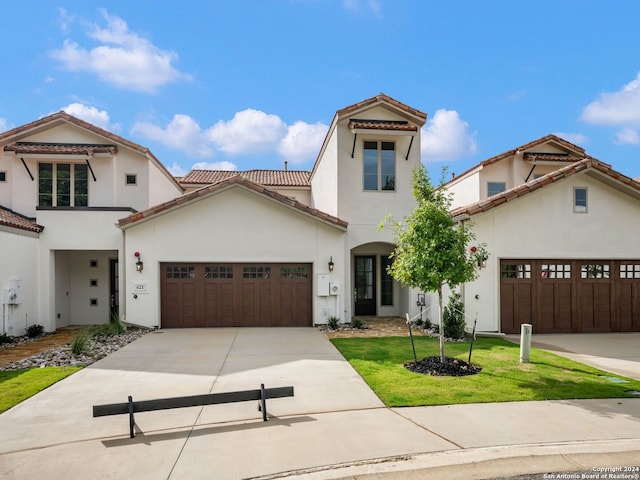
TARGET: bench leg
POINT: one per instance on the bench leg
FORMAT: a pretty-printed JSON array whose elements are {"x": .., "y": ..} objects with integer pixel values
[
  {"x": 132, "y": 421},
  {"x": 263, "y": 402}
]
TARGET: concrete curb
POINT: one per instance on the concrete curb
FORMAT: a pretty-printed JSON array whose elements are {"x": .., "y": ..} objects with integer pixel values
[{"x": 483, "y": 463}]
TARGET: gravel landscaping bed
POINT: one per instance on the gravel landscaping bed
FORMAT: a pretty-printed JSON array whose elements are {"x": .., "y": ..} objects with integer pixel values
[{"x": 97, "y": 348}]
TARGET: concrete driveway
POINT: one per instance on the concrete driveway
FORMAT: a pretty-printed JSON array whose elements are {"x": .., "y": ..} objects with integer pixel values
[{"x": 334, "y": 427}]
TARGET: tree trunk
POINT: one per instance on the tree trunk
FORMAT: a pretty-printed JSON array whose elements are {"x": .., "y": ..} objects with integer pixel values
[{"x": 441, "y": 329}]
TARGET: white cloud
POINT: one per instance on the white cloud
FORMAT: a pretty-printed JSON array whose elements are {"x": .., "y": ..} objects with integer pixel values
[
  {"x": 575, "y": 138},
  {"x": 446, "y": 137},
  {"x": 4, "y": 125},
  {"x": 302, "y": 141},
  {"x": 122, "y": 58},
  {"x": 627, "y": 136},
  {"x": 249, "y": 131},
  {"x": 224, "y": 165},
  {"x": 177, "y": 171},
  {"x": 616, "y": 108},
  {"x": 182, "y": 133},
  {"x": 100, "y": 118}
]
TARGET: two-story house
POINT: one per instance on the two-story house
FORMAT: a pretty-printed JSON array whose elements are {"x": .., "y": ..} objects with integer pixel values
[
  {"x": 272, "y": 248},
  {"x": 562, "y": 235},
  {"x": 64, "y": 183}
]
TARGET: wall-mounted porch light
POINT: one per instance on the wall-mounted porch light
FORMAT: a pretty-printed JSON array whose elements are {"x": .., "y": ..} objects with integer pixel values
[
  {"x": 331, "y": 264},
  {"x": 139, "y": 264}
]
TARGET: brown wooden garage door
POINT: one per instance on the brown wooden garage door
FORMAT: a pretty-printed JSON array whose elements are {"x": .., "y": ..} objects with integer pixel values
[
  {"x": 235, "y": 295},
  {"x": 570, "y": 296}
]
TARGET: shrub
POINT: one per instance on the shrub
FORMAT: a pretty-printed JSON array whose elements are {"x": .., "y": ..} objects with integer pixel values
[
  {"x": 114, "y": 327},
  {"x": 80, "y": 344},
  {"x": 4, "y": 338},
  {"x": 357, "y": 324},
  {"x": 34, "y": 331},
  {"x": 453, "y": 317},
  {"x": 333, "y": 323}
]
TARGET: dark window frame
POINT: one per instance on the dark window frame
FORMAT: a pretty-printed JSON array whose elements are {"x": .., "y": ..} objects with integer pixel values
[{"x": 377, "y": 166}]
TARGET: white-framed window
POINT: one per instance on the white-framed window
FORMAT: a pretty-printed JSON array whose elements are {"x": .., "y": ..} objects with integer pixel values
[
  {"x": 580, "y": 200},
  {"x": 379, "y": 165},
  {"x": 63, "y": 185},
  {"x": 3, "y": 176},
  {"x": 131, "y": 179},
  {"x": 494, "y": 188}
]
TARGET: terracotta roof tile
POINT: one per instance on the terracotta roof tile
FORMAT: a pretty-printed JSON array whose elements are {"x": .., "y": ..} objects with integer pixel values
[
  {"x": 10, "y": 218},
  {"x": 382, "y": 125},
  {"x": 60, "y": 148},
  {"x": 280, "y": 178},
  {"x": 63, "y": 116},
  {"x": 553, "y": 177},
  {"x": 579, "y": 153},
  {"x": 380, "y": 98},
  {"x": 237, "y": 179}
]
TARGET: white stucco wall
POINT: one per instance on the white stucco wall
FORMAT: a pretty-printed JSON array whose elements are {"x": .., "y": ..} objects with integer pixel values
[
  {"x": 542, "y": 225},
  {"x": 78, "y": 233},
  {"x": 18, "y": 260},
  {"x": 235, "y": 225},
  {"x": 324, "y": 182}
]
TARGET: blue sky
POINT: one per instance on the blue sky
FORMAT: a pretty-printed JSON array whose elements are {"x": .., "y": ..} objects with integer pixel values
[{"x": 249, "y": 84}]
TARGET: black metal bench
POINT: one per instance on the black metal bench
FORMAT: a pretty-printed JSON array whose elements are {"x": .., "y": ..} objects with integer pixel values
[{"x": 132, "y": 407}]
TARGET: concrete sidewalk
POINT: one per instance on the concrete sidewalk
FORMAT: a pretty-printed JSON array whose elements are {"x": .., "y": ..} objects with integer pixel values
[{"x": 334, "y": 427}]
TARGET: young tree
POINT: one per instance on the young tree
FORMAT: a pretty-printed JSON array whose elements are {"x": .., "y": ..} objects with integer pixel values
[{"x": 431, "y": 249}]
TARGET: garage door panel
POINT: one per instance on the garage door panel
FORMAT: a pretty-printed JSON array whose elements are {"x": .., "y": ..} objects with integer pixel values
[
  {"x": 571, "y": 295},
  {"x": 209, "y": 295}
]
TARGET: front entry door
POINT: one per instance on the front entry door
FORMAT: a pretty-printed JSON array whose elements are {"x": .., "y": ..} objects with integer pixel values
[{"x": 365, "y": 285}]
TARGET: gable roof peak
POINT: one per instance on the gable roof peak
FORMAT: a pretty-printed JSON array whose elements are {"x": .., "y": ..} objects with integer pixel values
[{"x": 380, "y": 99}]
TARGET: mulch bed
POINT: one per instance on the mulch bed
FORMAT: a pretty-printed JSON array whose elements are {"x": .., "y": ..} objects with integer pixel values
[{"x": 452, "y": 367}]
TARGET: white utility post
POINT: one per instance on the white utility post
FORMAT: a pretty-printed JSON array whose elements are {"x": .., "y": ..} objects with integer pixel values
[{"x": 525, "y": 342}]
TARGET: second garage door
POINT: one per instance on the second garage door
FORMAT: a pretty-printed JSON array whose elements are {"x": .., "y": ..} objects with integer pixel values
[
  {"x": 235, "y": 295},
  {"x": 570, "y": 296}
]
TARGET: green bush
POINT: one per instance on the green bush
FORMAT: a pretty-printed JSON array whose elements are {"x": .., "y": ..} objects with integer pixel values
[
  {"x": 80, "y": 344},
  {"x": 4, "y": 338},
  {"x": 34, "y": 331},
  {"x": 357, "y": 324},
  {"x": 453, "y": 317},
  {"x": 333, "y": 323},
  {"x": 114, "y": 327}
]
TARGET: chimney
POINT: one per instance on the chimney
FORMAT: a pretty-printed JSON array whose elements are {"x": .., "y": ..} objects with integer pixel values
[{"x": 286, "y": 165}]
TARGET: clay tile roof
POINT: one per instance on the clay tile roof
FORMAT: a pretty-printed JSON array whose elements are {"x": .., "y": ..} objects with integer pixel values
[
  {"x": 380, "y": 98},
  {"x": 10, "y": 218},
  {"x": 382, "y": 125},
  {"x": 548, "y": 157},
  {"x": 577, "y": 153},
  {"x": 288, "y": 178},
  {"x": 237, "y": 179},
  {"x": 60, "y": 148},
  {"x": 553, "y": 177}
]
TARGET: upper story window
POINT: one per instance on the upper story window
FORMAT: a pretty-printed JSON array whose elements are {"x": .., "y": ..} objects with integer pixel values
[
  {"x": 379, "y": 165},
  {"x": 131, "y": 179},
  {"x": 3, "y": 176},
  {"x": 580, "y": 200},
  {"x": 63, "y": 185},
  {"x": 494, "y": 188}
]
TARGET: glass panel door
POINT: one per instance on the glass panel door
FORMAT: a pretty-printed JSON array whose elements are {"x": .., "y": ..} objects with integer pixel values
[{"x": 365, "y": 285}]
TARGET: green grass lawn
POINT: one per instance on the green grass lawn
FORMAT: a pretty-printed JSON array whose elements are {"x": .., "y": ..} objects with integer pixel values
[
  {"x": 502, "y": 379},
  {"x": 16, "y": 386}
]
